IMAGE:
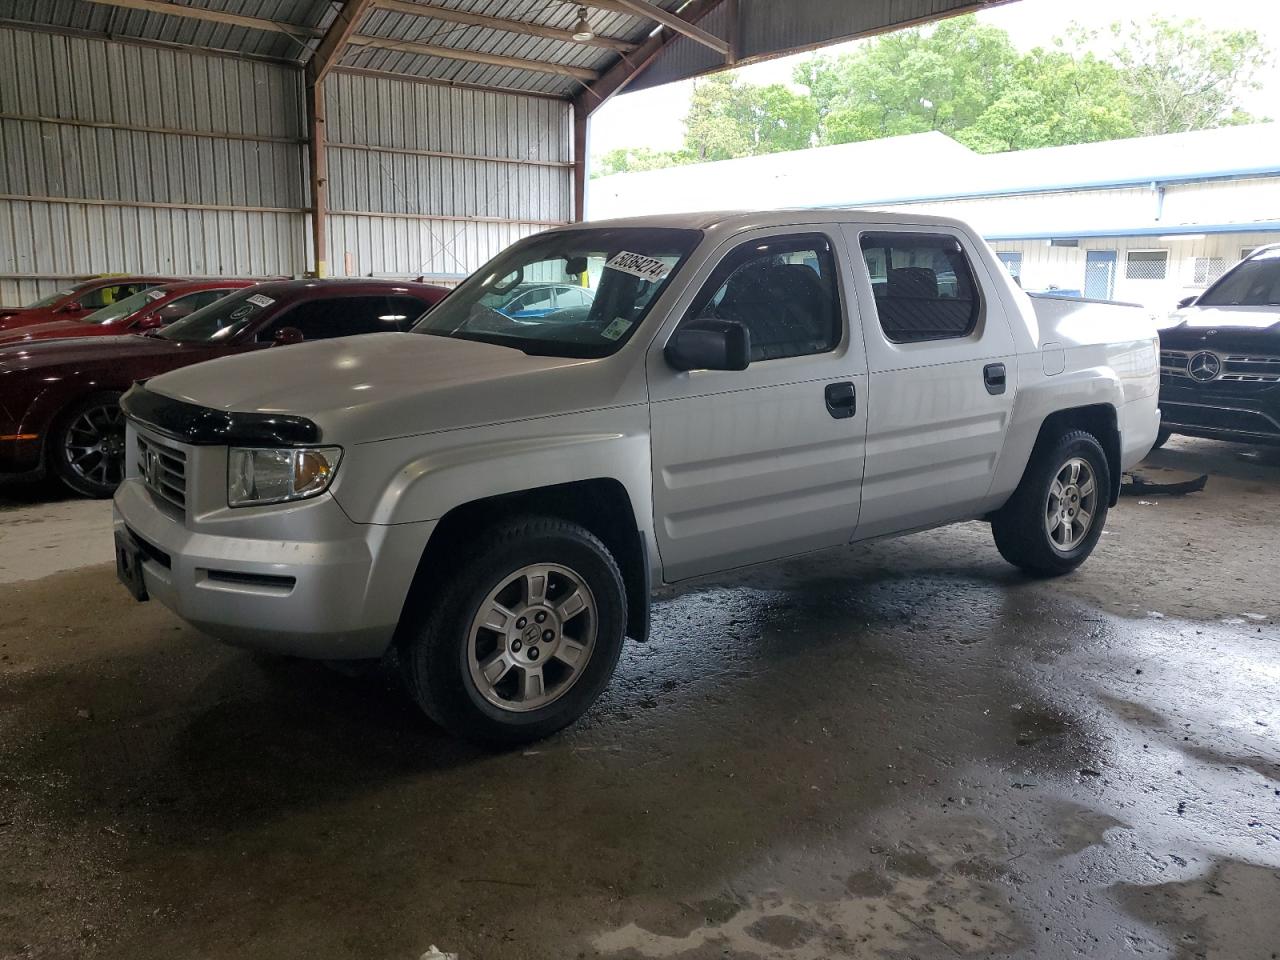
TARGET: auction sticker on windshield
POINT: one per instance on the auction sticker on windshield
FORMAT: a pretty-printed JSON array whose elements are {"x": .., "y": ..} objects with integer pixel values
[
  {"x": 154, "y": 294},
  {"x": 258, "y": 300},
  {"x": 616, "y": 329},
  {"x": 638, "y": 265}
]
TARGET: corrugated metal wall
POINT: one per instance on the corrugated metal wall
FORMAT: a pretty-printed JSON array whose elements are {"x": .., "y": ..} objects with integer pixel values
[
  {"x": 126, "y": 158},
  {"x": 435, "y": 180}
]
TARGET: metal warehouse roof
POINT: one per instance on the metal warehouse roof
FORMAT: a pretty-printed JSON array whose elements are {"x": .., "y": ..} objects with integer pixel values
[
  {"x": 524, "y": 45},
  {"x": 931, "y": 166}
]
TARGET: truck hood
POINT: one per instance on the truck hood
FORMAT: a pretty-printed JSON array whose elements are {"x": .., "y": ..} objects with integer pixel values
[{"x": 381, "y": 385}]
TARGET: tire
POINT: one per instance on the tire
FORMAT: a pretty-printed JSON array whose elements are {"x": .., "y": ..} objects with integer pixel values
[
  {"x": 445, "y": 654},
  {"x": 86, "y": 445},
  {"x": 1162, "y": 437},
  {"x": 1024, "y": 528}
]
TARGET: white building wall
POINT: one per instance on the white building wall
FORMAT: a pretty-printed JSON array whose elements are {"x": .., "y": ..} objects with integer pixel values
[{"x": 1047, "y": 267}]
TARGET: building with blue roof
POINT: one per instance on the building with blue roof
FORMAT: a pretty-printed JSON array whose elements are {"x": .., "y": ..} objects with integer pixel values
[{"x": 1150, "y": 219}]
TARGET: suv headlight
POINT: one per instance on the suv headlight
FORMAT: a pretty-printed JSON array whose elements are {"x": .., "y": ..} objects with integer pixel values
[{"x": 275, "y": 475}]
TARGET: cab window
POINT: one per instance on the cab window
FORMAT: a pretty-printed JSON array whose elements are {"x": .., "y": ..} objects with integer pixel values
[
  {"x": 783, "y": 290},
  {"x": 923, "y": 286}
]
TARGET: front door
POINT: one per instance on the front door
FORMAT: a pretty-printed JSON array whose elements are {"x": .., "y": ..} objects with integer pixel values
[
  {"x": 760, "y": 463},
  {"x": 943, "y": 370}
]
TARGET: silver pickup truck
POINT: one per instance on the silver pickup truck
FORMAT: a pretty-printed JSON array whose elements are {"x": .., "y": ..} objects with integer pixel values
[{"x": 494, "y": 494}]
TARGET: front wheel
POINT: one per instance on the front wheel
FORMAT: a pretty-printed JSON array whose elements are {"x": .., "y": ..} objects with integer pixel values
[
  {"x": 86, "y": 447},
  {"x": 1054, "y": 519},
  {"x": 523, "y": 638}
]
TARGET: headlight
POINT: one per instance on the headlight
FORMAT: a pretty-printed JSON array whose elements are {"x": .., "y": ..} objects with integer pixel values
[{"x": 275, "y": 475}]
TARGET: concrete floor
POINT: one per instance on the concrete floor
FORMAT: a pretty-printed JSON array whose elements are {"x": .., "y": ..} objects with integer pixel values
[{"x": 907, "y": 750}]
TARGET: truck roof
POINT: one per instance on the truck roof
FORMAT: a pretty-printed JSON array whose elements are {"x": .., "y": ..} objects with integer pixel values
[{"x": 731, "y": 220}]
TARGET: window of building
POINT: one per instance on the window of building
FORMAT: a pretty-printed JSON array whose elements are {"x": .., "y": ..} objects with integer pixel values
[
  {"x": 783, "y": 290},
  {"x": 923, "y": 286},
  {"x": 1208, "y": 269},
  {"x": 1012, "y": 261},
  {"x": 1146, "y": 264}
]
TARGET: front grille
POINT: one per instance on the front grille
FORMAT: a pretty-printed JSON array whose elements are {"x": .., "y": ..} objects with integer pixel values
[
  {"x": 1236, "y": 367},
  {"x": 164, "y": 470}
]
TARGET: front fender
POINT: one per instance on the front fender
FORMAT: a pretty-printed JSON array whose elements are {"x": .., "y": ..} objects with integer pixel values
[{"x": 413, "y": 479}]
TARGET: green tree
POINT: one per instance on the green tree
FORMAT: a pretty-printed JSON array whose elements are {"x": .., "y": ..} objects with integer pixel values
[
  {"x": 1054, "y": 98},
  {"x": 941, "y": 78},
  {"x": 632, "y": 159},
  {"x": 1184, "y": 76},
  {"x": 730, "y": 119}
]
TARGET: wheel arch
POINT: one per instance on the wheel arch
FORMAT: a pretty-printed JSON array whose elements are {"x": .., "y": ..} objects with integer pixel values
[
  {"x": 1099, "y": 419},
  {"x": 602, "y": 505}
]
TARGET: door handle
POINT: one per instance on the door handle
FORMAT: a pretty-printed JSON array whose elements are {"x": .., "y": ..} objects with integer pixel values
[
  {"x": 993, "y": 375},
  {"x": 842, "y": 400}
]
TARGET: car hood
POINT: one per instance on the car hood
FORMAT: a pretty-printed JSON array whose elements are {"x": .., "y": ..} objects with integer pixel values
[
  {"x": 81, "y": 351},
  {"x": 382, "y": 385},
  {"x": 1226, "y": 327},
  {"x": 53, "y": 330}
]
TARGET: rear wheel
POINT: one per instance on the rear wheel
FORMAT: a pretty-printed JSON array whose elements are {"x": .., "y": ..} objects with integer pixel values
[
  {"x": 86, "y": 447},
  {"x": 523, "y": 638},
  {"x": 1054, "y": 519}
]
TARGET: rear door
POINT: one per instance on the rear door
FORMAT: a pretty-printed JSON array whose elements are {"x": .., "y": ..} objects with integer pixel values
[
  {"x": 755, "y": 464},
  {"x": 941, "y": 362}
]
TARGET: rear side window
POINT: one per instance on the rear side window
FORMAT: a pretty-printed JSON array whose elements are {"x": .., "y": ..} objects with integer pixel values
[
  {"x": 923, "y": 286},
  {"x": 783, "y": 290}
]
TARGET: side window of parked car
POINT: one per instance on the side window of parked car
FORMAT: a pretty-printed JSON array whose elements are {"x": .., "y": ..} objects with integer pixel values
[
  {"x": 783, "y": 290},
  {"x": 112, "y": 293},
  {"x": 347, "y": 316},
  {"x": 923, "y": 285}
]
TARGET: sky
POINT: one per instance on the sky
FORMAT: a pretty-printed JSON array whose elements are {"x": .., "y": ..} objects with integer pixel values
[{"x": 1030, "y": 23}]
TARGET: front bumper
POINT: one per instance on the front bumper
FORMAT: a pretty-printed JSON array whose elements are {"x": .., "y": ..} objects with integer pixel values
[
  {"x": 331, "y": 590},
  {"x": 1245, "y": 412}
]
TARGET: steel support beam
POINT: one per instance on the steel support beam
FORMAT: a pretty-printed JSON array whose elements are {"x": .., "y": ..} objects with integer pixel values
[
  {"x": 524, "y": 27},
  {"x": 335, "y": 39},
  {"x": 213, "y": 16},
  {"x": 615, "y": 79},
  {"x": 651, "y": 11},
  {"x": 473, "y": 56},
  {"x": 581, "y": 148},
  {"x": 318, "y": 168}
]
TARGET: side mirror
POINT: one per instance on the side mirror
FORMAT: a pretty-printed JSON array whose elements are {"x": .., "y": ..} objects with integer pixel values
[
  {"x": 150, "y": 322},
  {"x": 710, "y": 345},
  {"x": 72, "y": 307},
  {"x": 1187, "y": 301},
  {"x": 287, "y": 335}
]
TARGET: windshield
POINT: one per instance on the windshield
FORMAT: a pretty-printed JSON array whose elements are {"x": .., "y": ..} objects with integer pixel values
[
  {"x": 123, "y": 308},
  {"x": 219, "y": 322},
  {"x": 566, "y": 293},
  {"x": 51, "y": 299},
  {"x": 1253, "y": 283}
]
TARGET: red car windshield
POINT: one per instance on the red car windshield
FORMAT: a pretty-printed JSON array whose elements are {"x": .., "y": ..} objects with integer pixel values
[
  {"x": 50, "y": 300},
  {"x": 219, "y": 322},
  {"x": 123, "y": 308}
]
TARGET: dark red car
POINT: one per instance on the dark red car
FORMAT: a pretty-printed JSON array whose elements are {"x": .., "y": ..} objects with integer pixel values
[
  {"x": 77, "y": 301},
  {"x": 146, "y": 309},
  {"x": 59, "y": 399}
]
